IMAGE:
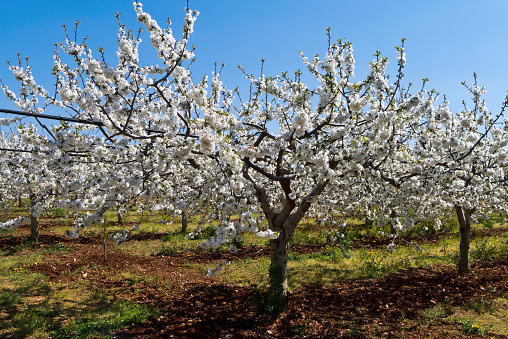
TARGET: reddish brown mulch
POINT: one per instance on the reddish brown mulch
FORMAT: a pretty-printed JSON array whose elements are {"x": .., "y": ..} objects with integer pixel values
[
  {"x": 387, "y": 307},
  {"x": 194, "y": 306}
]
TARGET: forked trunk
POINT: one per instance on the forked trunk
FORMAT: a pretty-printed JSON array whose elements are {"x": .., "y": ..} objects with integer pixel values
[
  {"x": 285, "y": 221},
  {"x": 278, "y": 273},
  {"x": 34, "y": 220},
  {"x": 464, "y": 218},
  {"x": 184, "y": 222}
]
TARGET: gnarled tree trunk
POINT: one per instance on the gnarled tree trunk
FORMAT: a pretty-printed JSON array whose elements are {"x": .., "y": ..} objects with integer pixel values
[
  {"x": 278, "y": 273},
  {"x": 283, "y": 220},
  {"x": 464, "y": 218}
]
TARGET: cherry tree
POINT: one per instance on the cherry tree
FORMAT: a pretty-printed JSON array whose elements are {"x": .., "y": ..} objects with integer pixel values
[
  {"x": 462, "y": 162},
  {"x": 26, "y": 173},
  {"x": 150, "y": 105},
  {"x": 452, "y": 163},
  {"x": 331, "y": 143}
]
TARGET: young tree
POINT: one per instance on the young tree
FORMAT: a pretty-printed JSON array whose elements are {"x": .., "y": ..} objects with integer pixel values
[
  {"x": 463, "y": 160},
  {"x": 27, "y": 173},
  {"x": 138, "y": 110},
  {"x": 325, "y": 139}
]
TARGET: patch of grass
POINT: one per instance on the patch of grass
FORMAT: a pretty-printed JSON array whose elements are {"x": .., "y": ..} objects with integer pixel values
[
  {"x": 203, "y": 233},
  {"x": 498, "y": 217},
  {"x": 470, "y": 326},
  {"x": 5, "y": 233},
  {"x": 15, "y": 248},
  {"x": 132, "y": 279},
  {"x": 246, "y": 272},
  {"x": 172, "y": 236},
  {"x": 167, "y": 251},
  {"x": 479, "y": 305},
  {"x": 488, "y": 247},
  {"x": 293, "y": 256},
  {"x": 10, "y": 299},
  {"x": 120, "y": 315},
  {"x": 59, "y": 212},
  {"x": 329, "y": 265},
  {"x": 145, "y": 248},
  {"x": 435, "y": 312},
  {"x": 477, "y": 316},
  {"x": 34, "y": 320},
  {"x": 18, "y": 261},
  {"x": 331, "y": 253},
  {"x": 375, "y": 264},
  {"x": 487, "y": 223},
  {"x": 57, "y": 247},
  {"x": 440, "y": 311},
  {"x": 9, "y": 250},
  {"x": 46, "y": 319},
  {"x": 372, "y": 266},
  {"x": 305, "y": 235},
  {"x": 67, "y": 311}
]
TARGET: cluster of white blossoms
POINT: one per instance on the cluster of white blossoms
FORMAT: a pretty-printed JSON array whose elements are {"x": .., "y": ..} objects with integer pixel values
[
  {"x": 267, "y": 234},
  {"x": 8, "y": 225},
  {"x": 8, "y": 121},
  {"x": 207, "y": 143},
  {"x": 120, "y": 237},
  {"x": 224, "y": 233}
]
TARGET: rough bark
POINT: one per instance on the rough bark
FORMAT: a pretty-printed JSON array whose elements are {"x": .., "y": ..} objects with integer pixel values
[
  {"x": 393, "y": 230},
  {"x": 464, "y": 218},
  {"x": 184, "y": 222},
  {"x": 120, "y": 217},
  {"x": 278, "y": 274},
  {"x": 34, "y": 220}
]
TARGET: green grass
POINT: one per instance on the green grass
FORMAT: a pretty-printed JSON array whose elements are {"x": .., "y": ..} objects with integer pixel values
[
  {"x": 39, "y": 320},
  {"x": 471, "y": 326},
  {"x": 9, "y": 299},
  {"x": 330, "y": 265},
  {"x": 57, "y": 248},
  {"x": 36, "y": 308}
]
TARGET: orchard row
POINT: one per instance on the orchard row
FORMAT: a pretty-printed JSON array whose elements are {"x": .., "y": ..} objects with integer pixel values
[{"x": 316, "y": 144}]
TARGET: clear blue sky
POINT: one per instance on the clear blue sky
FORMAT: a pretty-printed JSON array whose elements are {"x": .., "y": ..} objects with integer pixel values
[{"x": 446, "y": 40}]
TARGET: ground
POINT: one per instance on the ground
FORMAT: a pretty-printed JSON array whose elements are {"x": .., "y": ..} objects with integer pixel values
[{"x": 192, "y": 305}]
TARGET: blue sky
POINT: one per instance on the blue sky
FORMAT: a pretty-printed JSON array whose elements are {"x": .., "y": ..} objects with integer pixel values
[{"x": 446, "y": 40}]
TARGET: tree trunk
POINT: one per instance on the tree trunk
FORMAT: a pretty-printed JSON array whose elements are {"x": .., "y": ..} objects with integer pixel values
[
  {"x": 393, "y": 230},
  {"x": 119, "y": 216},
  {"x": 464, "y": 217},
  {"x": 278, "y": 274},
  {"x": 34, "y": 220},
  {"x": 184, "y": 222},
  {"x": 20, "y": 201}
]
